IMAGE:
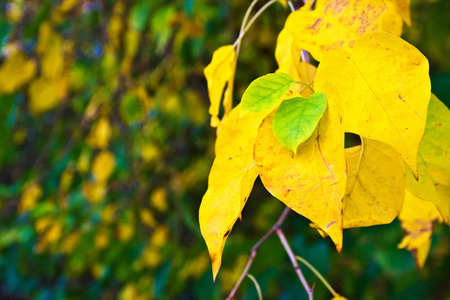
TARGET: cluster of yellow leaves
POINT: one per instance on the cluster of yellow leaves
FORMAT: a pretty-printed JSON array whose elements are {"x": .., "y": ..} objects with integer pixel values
[
  {"x": 47, "y": 91},
  {"x": 377, "y": 87}
]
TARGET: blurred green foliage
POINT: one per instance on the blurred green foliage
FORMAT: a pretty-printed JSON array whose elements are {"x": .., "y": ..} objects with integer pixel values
[{"x": 105, "y": 149}]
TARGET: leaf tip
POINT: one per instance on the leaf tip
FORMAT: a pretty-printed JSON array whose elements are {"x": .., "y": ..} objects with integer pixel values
[{"x": 215, "y": 267}]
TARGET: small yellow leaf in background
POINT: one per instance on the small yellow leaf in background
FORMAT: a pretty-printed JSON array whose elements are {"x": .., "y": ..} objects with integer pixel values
[
  {"x": 84, "y": 161},
  {"x": 14, "y": 11},
  {"x": 417, "y": 217},
  {"x": 159, "y": 236},
  {"x": 94, "y": 192},
  {"x": 102, "y": 239},
  {"x": 284, "y": 3},
  {"x": 16, "y": 71},
  {"x": 334, "y": 24},
  {"x": 43, "y": 223},
  {"x": 150, "y": 153},
  {"x": 158, "y": 199},
  {"x": 125, "y": 231},
  {"x": 29, "y": 198},
  {"x": 66, "y": 179},
  {"x": 70, "y": 242},
  {"x": 108, "y": 213},
  {"x": 218, "y": 73},
  {"x": 100, "y": 134},
  {"x": 194, "y": 268},
  {"x": 312, "y": 183},
  {"x": 230, "y": 180},
  {"x": 375, "y": 184},
  {"x": 103, "y": 166},
  {"x": 46, "y": 94},
  {"x": 54, "y": 233},
  {"x": 151, "y": 257},
  {"x": 385, "y": 88},
  {"x": 434, "y": 160},
  {"x": 147, "y": 217}
]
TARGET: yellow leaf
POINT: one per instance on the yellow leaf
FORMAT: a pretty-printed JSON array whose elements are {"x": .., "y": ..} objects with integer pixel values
[
  {"x": 147, "y": 217},
  {"x": 284, "y": 3},
  {"x": 46, "y": 94},
  {"x": 14, "y": 11},
  {"x": 67, "y": 5},
  {"x": 94, "y": 192},
  {"x": 403, "y": 8},
  {"x": 15, "y": 72},
  {"x": 108, "y": 213},
  {"x": 312, "y": 183},
  {"x": 66, "y": 179},
  {"x": 29, "y": 198},
  {"x": 160, "y": 236},
  {"x": 70, "y": 242},
  {"x": 194, "y": 268},
  {"x": 434, "y": 160},
  {"x": 338, "y": 297},
  {"x": 158, "y": 199},
  {"x": 43, "y": 223},
  {"x": 334, "y": 24},
  {"x": 125, "y": 231},
  {"x": 288, "y": 58},
  {"x": 50, "y": 48},
  {"x": 230, "y": 180},
  {"x": 151, "y": 257},
  {"x": 385, "y": 88},
  {"x": 417, "y": 217},
  {"x": 375, "y": 184},
  {"x": 392, "y": 20},
  {"x": 102, "y": 239},
  {"x": 150, "y": 153},
  {"x": 103, "y": 166},
  {"x": 100, "y": 134},
  {"x": 218, "y": 73},
  {"x": 54, "y": 232},
  {"x": 84, "y": 161}
]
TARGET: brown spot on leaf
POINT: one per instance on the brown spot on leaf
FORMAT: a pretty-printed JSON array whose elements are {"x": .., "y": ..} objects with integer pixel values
[{"x": 316, "y": 25}]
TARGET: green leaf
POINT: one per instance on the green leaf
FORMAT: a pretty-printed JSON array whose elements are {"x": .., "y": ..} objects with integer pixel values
[
  {"x": 264, "y": 92},
  {"x": 296, "y": 119},
  {"x": 433, "y": 160}
]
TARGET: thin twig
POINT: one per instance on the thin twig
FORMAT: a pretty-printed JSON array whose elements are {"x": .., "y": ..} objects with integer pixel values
[
  {"x": 258, "y": 13},
  {"x": 294, "y": 262},
  {"x": 291, "y": 6},
  {"x": 255, "y": 250},
  {"x": 314, "y": 270}
]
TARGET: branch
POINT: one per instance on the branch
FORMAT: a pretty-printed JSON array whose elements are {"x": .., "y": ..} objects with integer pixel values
[
  {"x": 294, "y": 262},
  {"x": 255, "y": 250}
]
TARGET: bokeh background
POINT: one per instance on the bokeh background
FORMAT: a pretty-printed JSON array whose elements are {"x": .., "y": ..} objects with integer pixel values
[{"x": 105, "y": 149}]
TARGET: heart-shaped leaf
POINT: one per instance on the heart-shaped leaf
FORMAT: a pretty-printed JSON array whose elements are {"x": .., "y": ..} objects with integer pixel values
[
  {"x": 264, "y": 92},
  {"x": 296, "y": 119}
]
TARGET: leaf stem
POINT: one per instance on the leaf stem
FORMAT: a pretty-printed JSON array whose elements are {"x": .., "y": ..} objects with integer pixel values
[
  {"x": 243, "y": 25},
  {"x": 255, "y": 250},
  {"x": 294, "y": 263},
  {"x": 258, "y": 288},
  {"x": 247, "y": 27},
  {"x": 291, "y": 6},
  {"x": 314, "y": 270},
  {"x": 304, "y": 83}
]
